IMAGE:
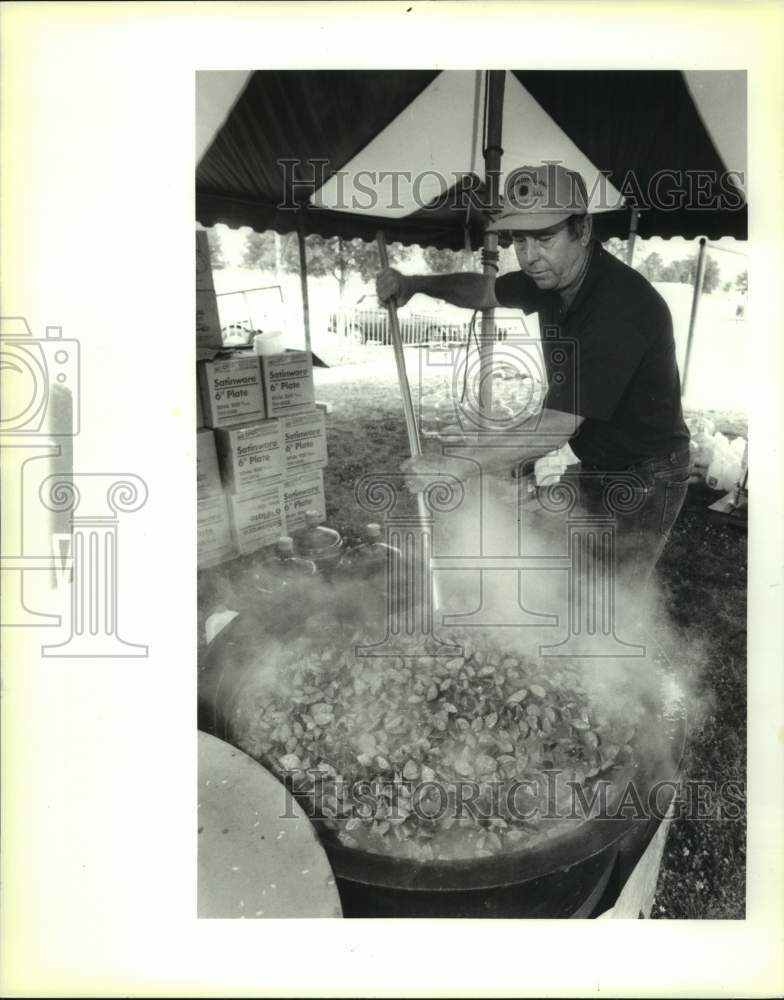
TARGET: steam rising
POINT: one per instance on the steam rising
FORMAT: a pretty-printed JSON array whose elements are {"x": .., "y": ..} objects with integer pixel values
[{"x": 384, "y": 715}]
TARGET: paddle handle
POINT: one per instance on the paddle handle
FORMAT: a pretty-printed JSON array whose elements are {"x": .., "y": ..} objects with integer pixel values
[{"x": 414, "y": 444}]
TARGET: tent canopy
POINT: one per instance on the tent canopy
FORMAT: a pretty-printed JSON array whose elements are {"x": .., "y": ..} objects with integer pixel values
[{"x": 324, "y": 145}]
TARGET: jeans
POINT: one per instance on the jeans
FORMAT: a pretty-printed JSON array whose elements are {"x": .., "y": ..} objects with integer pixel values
[{"x": 644, "y": 502}]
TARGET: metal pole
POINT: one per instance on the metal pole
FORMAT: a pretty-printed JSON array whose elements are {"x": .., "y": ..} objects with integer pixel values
[
  {"x": 414, "y": 444},
  {"x": 495, "y": 82},
  {"x": 278, "y": 255},
  {"x": 400, "y": 360},
  {"x": 695, "y": 302},
  {"x": 633, "y": 220},
  {"x": 468, "y": 255},
  {"x": 303, "y": 277}
]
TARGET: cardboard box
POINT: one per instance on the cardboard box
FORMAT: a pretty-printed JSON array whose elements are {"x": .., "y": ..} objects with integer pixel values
[
  {"x": 199, "y": 412},
  {"x": 213, "y": 533},
  {"x": 305, "y": 440},
  {"x": 231, "y": 390},
  {"x": 204, "y": 279},
  {"x": 301, "y": 493},
  {"x": 209, "y": 339},
  {"x": 288, "y": 382},
  {"x": 256, "y": 518},
  {"x": 250, "y": 455},
  {"x": 208, "y": 478}
]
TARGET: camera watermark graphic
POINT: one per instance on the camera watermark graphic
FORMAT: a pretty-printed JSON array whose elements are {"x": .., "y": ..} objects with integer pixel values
[
  {"x": 524, "y": 366},
  {"x": 39, "y": 416},
  {"x": 77, "y": 553},
  {"x": 38, "y": 374},
  {"x": 409, "y": 606},
  {"x": 582, "y": 592},
  {"x": 98, "y": 499}
]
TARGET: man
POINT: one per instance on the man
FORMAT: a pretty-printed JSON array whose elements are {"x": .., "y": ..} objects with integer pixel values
[{"x": 613, "y": 385}]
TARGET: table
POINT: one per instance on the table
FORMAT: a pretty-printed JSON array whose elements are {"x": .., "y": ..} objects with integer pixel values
[{"x": 258, "y": 853}]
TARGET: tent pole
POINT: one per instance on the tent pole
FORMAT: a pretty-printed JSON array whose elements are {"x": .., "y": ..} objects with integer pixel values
[
  {"x": 695, "y": 302},
  {"x": 633, "y": 220},
  {"x": 303, "y": 276},
  {"x": 468, "y": 256},
  {"x": 495, "y": 81}
]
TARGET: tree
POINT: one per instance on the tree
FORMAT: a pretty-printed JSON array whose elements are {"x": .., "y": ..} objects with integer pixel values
[
  {"x": 652, "y": 267},
  {"x": 711, "y": 280},
  {"x": 335, "y": 256},
  {"x": 268, "y": 252},
  {"x": 685, "y": 271},
  {"x": 341, "y": 258},
  {"x": 742, "y": 281},
  {"x": 448, "y": 261},
  {"x": 672, "y": 271},
  {"x": 217, "y": 260},
  {"x": 617, "y": 247}
]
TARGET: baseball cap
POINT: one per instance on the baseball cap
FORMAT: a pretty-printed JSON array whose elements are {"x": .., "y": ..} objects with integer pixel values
[{"x": 540, "y": 197}]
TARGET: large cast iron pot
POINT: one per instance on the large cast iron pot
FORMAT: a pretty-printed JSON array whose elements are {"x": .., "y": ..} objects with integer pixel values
[{"x": 577, "y": 873}]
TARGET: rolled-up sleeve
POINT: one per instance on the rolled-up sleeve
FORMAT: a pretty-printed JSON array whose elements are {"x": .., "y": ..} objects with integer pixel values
[{"x": 516, "y": 291}]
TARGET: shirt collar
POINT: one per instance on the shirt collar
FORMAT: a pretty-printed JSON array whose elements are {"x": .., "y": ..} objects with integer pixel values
[{"x": 595, "y": 251}]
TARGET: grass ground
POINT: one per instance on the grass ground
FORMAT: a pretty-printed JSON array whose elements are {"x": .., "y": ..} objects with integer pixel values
[{"x": 703, "y": 580}]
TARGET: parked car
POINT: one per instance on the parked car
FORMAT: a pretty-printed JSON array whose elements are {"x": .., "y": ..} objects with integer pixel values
[
  {"x": 367, "y": 322},
  {"x": 237, "y": 334}
]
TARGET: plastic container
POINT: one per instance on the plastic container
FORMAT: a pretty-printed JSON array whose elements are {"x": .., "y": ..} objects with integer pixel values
[
  {"x": 701, "y": 449},
  {"x": 723, "y": 468},
  {"x": 365, "y": 566},
  {"x": 269, "y": 342},
  {"x": 320, "y": 544},
  {"x": 287, "y": 567},
  {"x": 432, "y": 414},
  {"x": 734, "y": 465},
  {"x": 701, "y": 425},
  {"x": 370, "y": 559}
]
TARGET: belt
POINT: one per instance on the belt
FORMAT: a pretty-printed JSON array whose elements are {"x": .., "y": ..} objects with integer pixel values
[{"x": 668, "y": 459}]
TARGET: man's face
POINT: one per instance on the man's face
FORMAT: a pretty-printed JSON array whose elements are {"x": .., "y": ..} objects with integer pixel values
[{"x": 552, "y": 257}]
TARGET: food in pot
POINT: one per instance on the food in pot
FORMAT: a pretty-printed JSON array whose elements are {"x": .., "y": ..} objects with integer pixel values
[{"x": 432, "y": 758}]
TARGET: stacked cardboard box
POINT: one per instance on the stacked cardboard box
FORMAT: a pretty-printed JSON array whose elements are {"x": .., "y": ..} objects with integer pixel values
[
  {"x": 208, "y": 479},
  {"x": 268, "y": 441},
  {"x": 213, "y": 535},
  {"x": 214, "y": 544},
  {"x": 288, "y": 384},
  {"x": 247, "y": 449},
  {"x": 305, "y": 441},
  {"x": 251, "y": 463},
  {"x": 263, "y": 446},
  {"x": 231, "y": 391}
]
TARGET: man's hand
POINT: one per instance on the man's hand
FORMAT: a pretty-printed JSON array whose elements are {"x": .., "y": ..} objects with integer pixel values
[
  {"x": 392, "y": 285},
  {"x": 424, "y": 468}
]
